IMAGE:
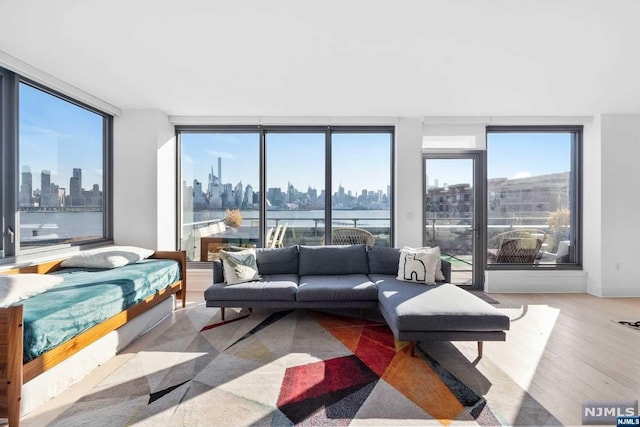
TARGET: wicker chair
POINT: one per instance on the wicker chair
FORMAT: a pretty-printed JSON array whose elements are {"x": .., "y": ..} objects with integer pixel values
[
  {"x": 520, "y": 246},
  {"x": 351, "y": 236}
]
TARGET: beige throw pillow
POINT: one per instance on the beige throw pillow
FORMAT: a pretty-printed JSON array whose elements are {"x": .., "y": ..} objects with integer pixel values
[
  {"x": 417, "y": 265},
  {"x": 239, "y": 267}
]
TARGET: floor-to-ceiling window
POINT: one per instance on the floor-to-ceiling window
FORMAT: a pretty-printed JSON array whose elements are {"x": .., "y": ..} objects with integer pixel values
[
  {"x": 55, "y": 169},
  {"x": 277, "y": 180},
  {"x": 533, "y": 196},
  {"x": 295, "y": 187},
  {"x": 220, "y": 204},
  {"x": 361, "y": 183}
]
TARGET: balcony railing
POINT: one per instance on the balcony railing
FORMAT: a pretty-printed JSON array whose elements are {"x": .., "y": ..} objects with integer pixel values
[{"x": 303, "y": 231}]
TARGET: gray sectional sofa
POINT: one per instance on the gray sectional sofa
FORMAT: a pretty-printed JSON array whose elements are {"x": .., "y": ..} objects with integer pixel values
[{"x": 362, "y": 277}]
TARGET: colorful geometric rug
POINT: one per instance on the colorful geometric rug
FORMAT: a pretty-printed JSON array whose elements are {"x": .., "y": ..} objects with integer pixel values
[{"x": 278, "y": 368}]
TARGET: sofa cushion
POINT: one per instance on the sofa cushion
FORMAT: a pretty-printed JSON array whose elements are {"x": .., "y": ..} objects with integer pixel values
[
  {"x": 278, "y": 260},
  {"x": 383, "y": 260},
  {"x": 328, "y": 260},
  {"x": 276, "y": 287},
  {"x": 415, "y": 307},
  {"x": 347, "y": 287}
]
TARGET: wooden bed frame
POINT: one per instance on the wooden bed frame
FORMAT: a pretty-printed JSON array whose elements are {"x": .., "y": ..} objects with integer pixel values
[{"x": 13, "y": 373}]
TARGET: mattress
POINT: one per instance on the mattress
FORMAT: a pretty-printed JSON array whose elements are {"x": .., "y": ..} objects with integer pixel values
[{"x": 86, "y": 298}]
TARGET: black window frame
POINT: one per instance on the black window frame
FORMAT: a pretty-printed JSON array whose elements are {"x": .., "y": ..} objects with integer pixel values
[
  {"x": 9, "y": 162},
  {"x": 575, "y": 196},
  {"x": 263, "y": 130}
]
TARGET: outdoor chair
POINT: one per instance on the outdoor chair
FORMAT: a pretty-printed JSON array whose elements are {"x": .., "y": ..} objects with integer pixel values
[
  {"x": 351, "y": 236},
  {"x": 278, "y": 236},
  {"x": 520, "y": 246}
]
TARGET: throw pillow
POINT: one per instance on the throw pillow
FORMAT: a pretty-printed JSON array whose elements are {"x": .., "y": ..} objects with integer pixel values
[
  {"x": 108, "y": 257},
  {"x": 16, "y": 287},
  {"x": 239, "y": 267},
  {"x": 436, "y": 249},
  {"x": 417, "y": 265}
]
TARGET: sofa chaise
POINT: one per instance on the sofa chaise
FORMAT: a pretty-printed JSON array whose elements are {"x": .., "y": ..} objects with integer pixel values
[{"x": 357, "y": 276}]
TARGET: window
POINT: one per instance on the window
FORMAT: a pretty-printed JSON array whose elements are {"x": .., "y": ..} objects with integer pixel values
[
  {"x": 295, "y": 169},
  {"x": 220, "y": 191},
  {"x": 360, "y": 198},
  {"x": 533, "y": 189},
  {"x": 292, "y": 167},
  {"x": 55, "y": 169}
]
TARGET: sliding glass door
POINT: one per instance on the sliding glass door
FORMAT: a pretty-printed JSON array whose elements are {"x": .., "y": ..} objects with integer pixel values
[{"x": 453, "y": 213}]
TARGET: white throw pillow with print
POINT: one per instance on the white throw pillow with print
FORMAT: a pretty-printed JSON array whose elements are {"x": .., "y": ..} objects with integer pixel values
[
  {"x": 240, "y": 267},
  {"x": 435, "y": 249},
  {"x": 417, "y": 265}
]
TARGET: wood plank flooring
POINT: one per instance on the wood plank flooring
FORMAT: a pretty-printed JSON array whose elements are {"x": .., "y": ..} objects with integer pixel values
[{"x": 563, "y": 350}]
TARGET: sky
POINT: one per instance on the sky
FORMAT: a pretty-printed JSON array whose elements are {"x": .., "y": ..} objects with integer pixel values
[
  {"x": 58, "y": 136},
  {"x": 509, "y": 155},
  {"x": 360, "y": 161}
]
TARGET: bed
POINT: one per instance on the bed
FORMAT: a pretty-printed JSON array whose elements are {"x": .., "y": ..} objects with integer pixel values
[{"x": 43, "y": 331}]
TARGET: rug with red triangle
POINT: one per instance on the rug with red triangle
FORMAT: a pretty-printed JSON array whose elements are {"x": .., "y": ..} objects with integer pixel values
[{"x": 277, "y": 368}]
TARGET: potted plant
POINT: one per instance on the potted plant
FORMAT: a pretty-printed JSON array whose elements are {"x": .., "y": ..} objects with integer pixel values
[{"x": 233, "y": 218}]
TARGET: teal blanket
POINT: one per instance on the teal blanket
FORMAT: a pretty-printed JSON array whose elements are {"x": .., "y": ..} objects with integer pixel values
[{"x": 87, "y": 297}]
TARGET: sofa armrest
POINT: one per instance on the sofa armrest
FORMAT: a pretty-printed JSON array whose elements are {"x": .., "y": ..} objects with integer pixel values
[
  {"x": 218, "y": 272},
  {"x": 446, "y": 271}
]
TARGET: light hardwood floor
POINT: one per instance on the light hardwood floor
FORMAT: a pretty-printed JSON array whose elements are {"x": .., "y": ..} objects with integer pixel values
[{"x": 562, "y": 349}]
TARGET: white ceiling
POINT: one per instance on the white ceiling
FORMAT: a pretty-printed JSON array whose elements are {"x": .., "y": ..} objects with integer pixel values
[{"x": 337, "y": 57}]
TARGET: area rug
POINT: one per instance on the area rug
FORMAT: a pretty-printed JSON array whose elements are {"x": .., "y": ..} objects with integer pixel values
[{"x": 278, "y": 368}]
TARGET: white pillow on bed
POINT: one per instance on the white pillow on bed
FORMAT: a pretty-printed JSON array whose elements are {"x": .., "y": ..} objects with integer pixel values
[
  {"x": 108, "y": 257},
  {"x": 16, "y": 287}
]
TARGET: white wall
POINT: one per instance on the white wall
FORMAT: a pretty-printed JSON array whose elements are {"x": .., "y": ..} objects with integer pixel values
[
  {"x": 145, "y": 196},
  {"x": 408, "y": 182},
  {"x": 620, "y": 206},
  {"x": 592, "y": 206},
  {"x": 144, "y": 180}
]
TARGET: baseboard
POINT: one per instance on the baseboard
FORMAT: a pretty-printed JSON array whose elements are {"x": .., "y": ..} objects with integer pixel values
[
  {"x": 567, "y": 281},
  {"x": 620, "y": 292},
  {"x": 199, "y": 279}
]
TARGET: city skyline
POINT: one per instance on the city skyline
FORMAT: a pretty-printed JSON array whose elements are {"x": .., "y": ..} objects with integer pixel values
[
  {"x": 216, "y": 194},
  {"x": 359, "y": 161},
  {"x": 58, "y": 136},
  {"x": 51, "y": 195}
]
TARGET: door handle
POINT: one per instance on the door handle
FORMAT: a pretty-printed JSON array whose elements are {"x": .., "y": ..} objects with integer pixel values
[{"x": 11, "y": 234}]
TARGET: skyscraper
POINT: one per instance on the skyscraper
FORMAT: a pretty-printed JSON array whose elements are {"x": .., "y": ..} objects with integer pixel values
[
  {"x": 26, "y": 187},
  {"x": 75, "y": 188},
  {"x": 45, "y": 188}
]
